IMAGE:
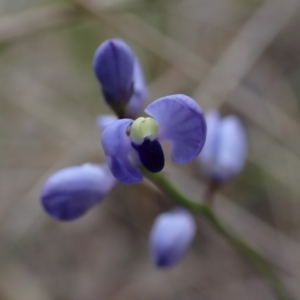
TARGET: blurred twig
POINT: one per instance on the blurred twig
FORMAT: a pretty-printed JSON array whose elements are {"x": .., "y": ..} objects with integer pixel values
[
  {"x": 245, "y": 49},
  {"x": 172, "y": 80},
  {"x": 179, "y": 56},
  {"x": 37, "y": 104},
  {"x": 46, "y": 17},
  {"x": 16, "y": 26}
]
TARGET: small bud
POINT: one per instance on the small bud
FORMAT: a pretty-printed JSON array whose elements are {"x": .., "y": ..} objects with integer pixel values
[
  {"x": 71, "y": 192},
  {"x": 105, "y": 120},
  {"x": 114, "y": 66},
  {"x": 224, "y": 153},
  {"x": 171, "y": 236},
  {"x": 140, "y": 93}
]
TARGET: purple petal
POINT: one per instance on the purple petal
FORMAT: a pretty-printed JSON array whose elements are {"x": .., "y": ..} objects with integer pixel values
[
  {"x": 225, "y": 150},
  {"x": 70, "y": 192},
  {"x": 171, "y": 235},
  {"x": 105, "y": 120},
  {"x": 139, "y": 91},
  {"x": 113, "y": 65},
  {"x": 116, "y": 146},
  {"x": 181, "y": 121}
]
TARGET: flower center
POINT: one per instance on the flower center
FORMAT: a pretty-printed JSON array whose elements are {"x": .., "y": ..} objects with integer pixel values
[
  {"x": 144, "y": 135},
  {"x": 143, "y": 128}
]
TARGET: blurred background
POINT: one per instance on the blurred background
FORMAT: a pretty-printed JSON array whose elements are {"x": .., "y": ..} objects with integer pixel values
[{"x": 238, "y": 56}]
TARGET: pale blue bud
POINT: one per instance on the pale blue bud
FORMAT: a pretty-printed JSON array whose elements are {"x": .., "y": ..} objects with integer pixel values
[
  {"x": 171, "y": 236},
  {"x": 224, "y": 152}
]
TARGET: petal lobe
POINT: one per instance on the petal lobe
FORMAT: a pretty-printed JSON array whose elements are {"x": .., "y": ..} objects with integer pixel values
[
  {"x": 182, "y": 123},
  {"x": 116, "y": 146}
]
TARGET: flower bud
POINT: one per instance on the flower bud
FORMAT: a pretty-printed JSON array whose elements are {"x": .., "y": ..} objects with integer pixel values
[
  {"x": 171, "y": 235},
  {"x": 105, "y": 120},
  {"x": 114, "y": 66},
  {"x": 140, "y": 93},
  {"x": 224, "y": 153},
  {"x": 71, "y": 192}
]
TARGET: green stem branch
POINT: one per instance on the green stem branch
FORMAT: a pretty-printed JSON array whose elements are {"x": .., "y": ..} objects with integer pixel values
[{"x": 261, "y": 264}]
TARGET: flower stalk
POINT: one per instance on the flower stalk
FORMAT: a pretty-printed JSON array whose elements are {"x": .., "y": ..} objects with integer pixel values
[{"x": 261, "y": 264}]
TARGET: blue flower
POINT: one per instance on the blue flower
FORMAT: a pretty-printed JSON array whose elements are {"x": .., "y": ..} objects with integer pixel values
[
  {"x": 171, "y": 236},
  {"x": 71, "y": 192},
  {"x": 224, "y": 153},
  {"x": 121, "y": 77},
  {"x": 177, "y": 119}
]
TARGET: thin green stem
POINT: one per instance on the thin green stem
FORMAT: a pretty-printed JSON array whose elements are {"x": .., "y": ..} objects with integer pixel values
[{"x": 261, "y": 264}]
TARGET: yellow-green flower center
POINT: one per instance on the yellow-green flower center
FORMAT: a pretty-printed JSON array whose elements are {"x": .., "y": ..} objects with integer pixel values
[{"x": 143, "y": 128}]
